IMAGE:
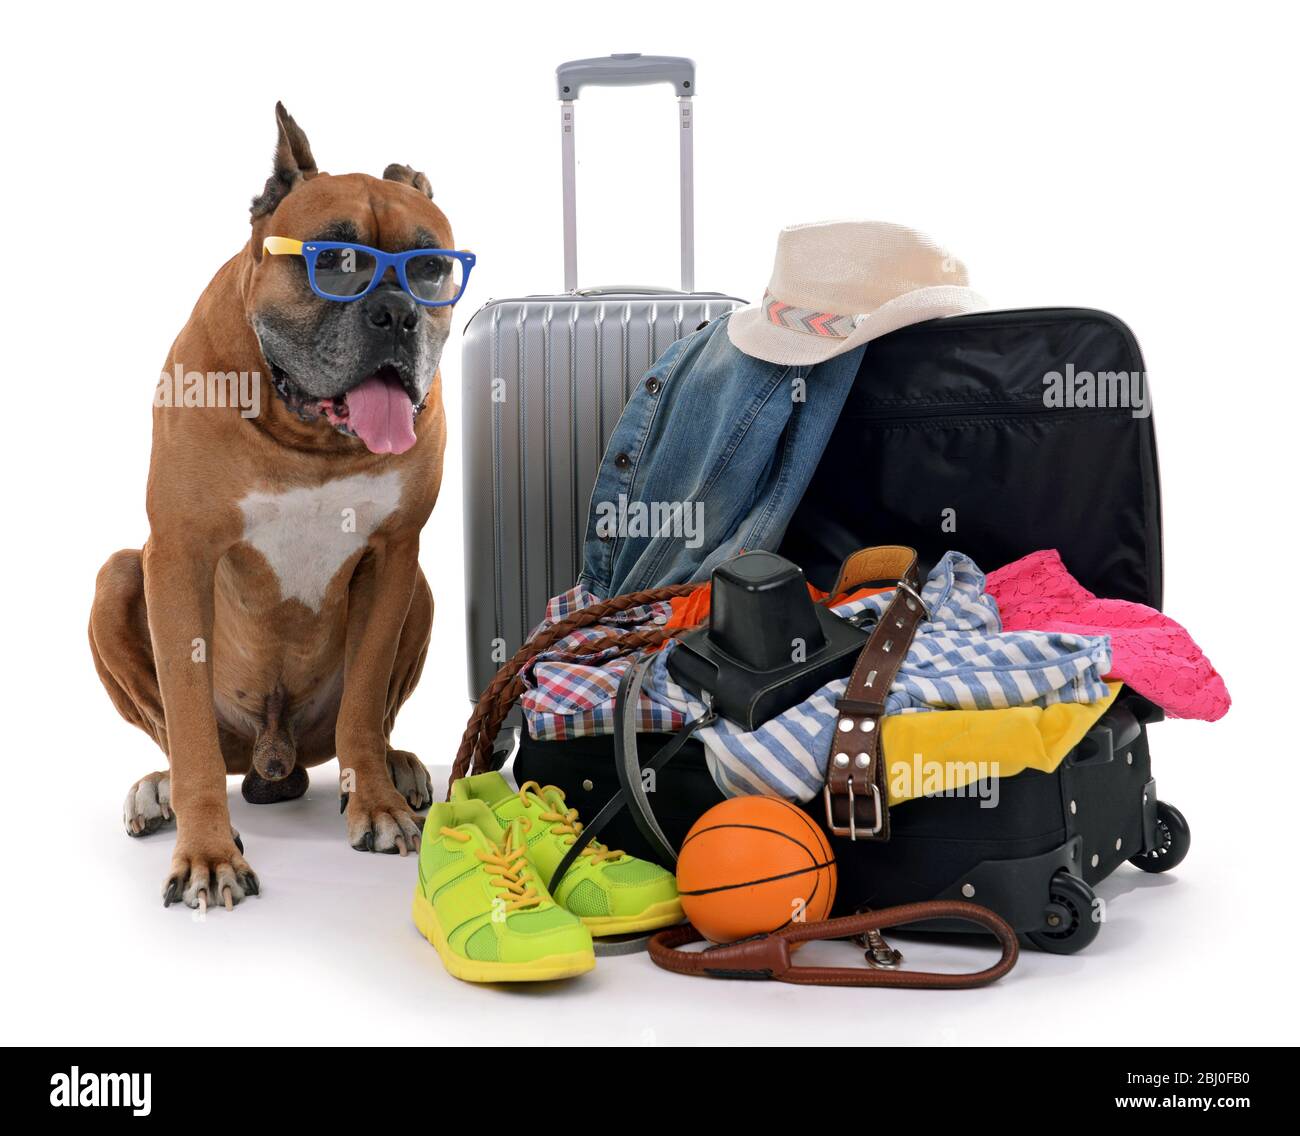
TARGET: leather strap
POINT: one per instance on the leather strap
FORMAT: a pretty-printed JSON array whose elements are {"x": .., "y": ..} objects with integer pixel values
[
  {"x": 769, "y": 956},
  {"x": 879, "y": 562},
  {"x": 857, "y": 791},
  {"x": 627, "y": 761},
  {"x": 629, "y": 768}
]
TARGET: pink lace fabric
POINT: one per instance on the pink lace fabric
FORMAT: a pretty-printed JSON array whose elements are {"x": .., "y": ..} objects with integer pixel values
[{"x": 1150, "y": 652}]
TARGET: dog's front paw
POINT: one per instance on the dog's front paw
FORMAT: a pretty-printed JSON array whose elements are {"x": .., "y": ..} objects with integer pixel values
[
  {"x": 201, "y": 875},
  {"x": 148, "y": 805},
  {"x": 383, "y": 822},
  {"x": 410, "y": 778}
]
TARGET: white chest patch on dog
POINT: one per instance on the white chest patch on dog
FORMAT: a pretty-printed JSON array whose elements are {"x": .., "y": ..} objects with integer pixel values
[{"x": 307, "y": 534}]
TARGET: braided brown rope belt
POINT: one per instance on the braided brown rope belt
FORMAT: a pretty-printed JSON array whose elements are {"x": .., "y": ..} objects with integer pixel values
[{"x": 501, "y": 694}]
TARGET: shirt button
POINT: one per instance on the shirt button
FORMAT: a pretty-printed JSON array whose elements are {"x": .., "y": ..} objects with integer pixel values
[
  {"x": 622, "y": 461},
  {"x": 653, "y": 385}
]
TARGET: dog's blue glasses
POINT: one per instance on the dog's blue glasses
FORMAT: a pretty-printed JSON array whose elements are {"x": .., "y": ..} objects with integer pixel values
[{"x": 343, "y": 270}]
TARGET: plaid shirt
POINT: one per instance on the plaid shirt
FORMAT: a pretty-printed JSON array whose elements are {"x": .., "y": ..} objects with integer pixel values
[{"x": 575, "y": 699}]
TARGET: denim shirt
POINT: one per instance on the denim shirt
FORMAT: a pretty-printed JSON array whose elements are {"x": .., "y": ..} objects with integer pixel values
[{"x": 710, "y": 458}]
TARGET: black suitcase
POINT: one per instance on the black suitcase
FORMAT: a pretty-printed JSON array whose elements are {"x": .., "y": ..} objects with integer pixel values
[
  {"x": 1033, "y": 859},
  {"x": 948, "y": 441}
]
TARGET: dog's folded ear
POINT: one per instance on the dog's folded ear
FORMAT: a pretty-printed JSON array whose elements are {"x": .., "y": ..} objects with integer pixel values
[
  {"x": 293, "y": 163},
  {"x": 408, "y": 176}
]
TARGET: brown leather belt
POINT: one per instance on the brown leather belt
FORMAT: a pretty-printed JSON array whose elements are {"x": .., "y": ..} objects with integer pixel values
[
  {"x": 769, "y": 956},
  {"x": 857, "y": 789}
]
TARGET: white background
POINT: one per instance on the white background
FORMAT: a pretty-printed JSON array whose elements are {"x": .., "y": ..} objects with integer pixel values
[{"x": 1132, "y": 158}]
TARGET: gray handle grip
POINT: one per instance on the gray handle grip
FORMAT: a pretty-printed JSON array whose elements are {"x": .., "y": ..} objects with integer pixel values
[{"x": 628, "y": 70}]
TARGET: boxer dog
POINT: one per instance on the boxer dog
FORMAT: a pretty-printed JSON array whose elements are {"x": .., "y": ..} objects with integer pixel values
[{"x": 277, "y": 615}]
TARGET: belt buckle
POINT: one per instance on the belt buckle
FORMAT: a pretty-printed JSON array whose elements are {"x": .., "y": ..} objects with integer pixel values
[
  {"x": 852, "y": 830},
  {"x": 710, "y": 714},
  {"x": 904, "y": 586}
]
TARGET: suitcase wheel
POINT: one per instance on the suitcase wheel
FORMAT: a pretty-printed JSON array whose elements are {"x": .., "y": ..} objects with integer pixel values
[
  {"x": 1173, "y": 839},
  {"x": 1071, "y": 917}
]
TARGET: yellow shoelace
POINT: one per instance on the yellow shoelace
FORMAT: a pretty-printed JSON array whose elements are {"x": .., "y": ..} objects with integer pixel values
[
  {"x": 563, "y": 820},
  {"x": 510, "y": 867}
]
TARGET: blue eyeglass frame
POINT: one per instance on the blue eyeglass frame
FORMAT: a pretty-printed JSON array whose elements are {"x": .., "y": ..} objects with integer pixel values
[{"x": 310, "y": 250}]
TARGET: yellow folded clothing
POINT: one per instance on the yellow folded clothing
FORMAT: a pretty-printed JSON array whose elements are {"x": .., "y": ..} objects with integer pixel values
[{"x": 946, "y": 749}]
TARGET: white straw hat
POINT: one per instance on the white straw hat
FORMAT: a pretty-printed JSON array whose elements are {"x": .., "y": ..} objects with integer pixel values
[{"x": 838, "y": 284}]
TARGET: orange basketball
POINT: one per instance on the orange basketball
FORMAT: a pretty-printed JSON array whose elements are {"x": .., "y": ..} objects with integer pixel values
[{"x": 753, "y": 864}]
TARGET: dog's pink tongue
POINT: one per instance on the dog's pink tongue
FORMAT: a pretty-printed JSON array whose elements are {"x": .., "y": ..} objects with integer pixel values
[{"x": 382, "y": 415}]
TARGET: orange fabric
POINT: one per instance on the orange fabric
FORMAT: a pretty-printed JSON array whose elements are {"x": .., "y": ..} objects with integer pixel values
[{"x": 692, "y": 609}]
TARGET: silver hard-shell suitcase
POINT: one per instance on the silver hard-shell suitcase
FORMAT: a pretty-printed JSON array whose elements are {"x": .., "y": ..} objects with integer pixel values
[{"x": 545, "y": 379}]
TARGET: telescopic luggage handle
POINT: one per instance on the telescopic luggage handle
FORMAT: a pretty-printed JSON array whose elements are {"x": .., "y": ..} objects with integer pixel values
[{"x": 630, "y": 70}]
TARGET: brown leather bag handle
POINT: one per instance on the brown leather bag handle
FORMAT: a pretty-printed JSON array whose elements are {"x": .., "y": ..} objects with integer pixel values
[{"x": 769, "y": 956}]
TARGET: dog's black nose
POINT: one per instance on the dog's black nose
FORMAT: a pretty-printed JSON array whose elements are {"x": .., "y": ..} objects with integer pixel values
[{"x": 391, "y": 309}]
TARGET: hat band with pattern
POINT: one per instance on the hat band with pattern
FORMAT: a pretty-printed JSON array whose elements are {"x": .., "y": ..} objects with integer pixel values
[{"x": 808, "y": 320}]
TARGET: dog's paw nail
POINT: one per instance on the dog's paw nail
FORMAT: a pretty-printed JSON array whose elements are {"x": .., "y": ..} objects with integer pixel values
[
  {"x": 343, "y": 802},
  {"x": 229, "y": 898},
  {"x": 172, "y": 892},
  {"x": 238, "y": 843},
  {"x": 249, "y": 883},
  {"x": 201, "y": 900}
]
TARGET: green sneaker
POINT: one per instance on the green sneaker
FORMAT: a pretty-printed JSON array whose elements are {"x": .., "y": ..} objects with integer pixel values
[
  {"x": 481, "y": 905},
  {"x": 613, "y": 893}
]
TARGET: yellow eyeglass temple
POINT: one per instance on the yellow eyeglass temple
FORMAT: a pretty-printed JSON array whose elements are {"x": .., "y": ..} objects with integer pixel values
[{"x": 282, "y": 246}]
